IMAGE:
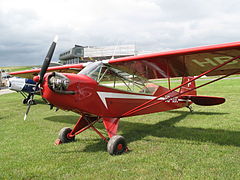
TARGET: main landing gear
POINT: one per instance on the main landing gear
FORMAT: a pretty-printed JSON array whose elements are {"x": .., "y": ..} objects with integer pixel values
[
  {"x": 27, "y": 99},
  {"x": 63, "y": 135},
  {"x": 116, "y": 145}
]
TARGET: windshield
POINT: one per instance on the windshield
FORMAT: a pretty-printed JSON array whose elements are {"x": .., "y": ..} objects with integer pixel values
[{"x": 92, "y": 70}]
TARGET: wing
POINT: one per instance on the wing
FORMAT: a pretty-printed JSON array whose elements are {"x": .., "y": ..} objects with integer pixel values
[
  {"x": 182, "y": 63},
  {"x": 29, "y": 74}
]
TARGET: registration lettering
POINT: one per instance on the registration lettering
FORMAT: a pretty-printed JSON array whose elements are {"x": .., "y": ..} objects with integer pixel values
[
  {"x": 173, "y": 100},
  {"x": 214, "y": 61}
]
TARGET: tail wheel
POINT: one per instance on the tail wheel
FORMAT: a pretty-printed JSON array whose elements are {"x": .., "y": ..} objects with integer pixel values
[
  {"x": 116, "y": 145},
  {"x": 63, "y": 135}
]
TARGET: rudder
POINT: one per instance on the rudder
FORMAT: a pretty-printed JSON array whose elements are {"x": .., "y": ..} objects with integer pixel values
[{"x": 188, "y": 86}]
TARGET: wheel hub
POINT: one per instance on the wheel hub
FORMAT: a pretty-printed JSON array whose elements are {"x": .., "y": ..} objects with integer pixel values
[{"x": 119, "y": 147}]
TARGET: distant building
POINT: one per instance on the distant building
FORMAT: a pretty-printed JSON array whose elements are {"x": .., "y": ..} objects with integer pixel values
[{"x": 80, "y": 54}]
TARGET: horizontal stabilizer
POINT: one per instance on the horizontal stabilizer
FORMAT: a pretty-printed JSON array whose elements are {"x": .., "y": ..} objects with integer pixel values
[{"x": 205, "y": 100}]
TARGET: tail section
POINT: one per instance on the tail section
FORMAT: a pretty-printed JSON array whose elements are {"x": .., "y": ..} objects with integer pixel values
[
  {"x": 188, "y": 86},
  {"x": 192, "y": 94}
]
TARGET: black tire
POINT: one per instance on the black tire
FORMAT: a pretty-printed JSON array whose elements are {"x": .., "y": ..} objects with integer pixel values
[
  {"x": 116, "y": 145},
  {"x": 63, "y": 135},
  {"x": 25, "y": 101},
  {"x": 31, "y": 102}
]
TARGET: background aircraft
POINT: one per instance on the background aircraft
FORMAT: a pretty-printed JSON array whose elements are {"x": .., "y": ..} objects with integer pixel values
[
  {"x": 24, "y": 86},
  {"x": 93, "y": 93}
]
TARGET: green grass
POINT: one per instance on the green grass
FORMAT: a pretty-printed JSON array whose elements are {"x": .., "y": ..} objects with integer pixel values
[{"x": 168, "y": 145}]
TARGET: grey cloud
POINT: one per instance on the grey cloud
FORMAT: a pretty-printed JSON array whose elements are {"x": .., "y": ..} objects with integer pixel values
[{"x": 152, "y": 25}]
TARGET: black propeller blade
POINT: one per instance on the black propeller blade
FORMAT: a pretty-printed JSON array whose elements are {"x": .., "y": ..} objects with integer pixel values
[
  {"x": 44, "y": 68},
  {"x": 47, "y": 60}
]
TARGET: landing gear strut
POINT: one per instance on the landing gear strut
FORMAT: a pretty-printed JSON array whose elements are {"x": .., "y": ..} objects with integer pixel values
[{"x": 115, "y": 146}]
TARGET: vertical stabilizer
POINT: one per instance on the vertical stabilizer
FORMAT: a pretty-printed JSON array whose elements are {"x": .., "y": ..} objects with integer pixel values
[{"x": 188, "y": 86}]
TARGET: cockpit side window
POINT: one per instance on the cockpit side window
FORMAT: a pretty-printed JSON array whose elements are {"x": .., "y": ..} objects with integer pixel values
[
  {"x": 109, "y": 76},
  {"x": 118, "y": 79}
]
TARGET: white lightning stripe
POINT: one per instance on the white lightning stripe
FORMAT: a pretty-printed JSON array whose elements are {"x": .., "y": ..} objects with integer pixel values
[{"x": 104, "y": 95}]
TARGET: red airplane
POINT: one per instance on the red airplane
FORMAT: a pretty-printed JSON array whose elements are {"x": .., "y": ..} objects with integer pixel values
[{"x": 112, "y": 89}]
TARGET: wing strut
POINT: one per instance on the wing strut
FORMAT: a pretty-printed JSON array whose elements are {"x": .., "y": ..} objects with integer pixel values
[{"x": 147, "y": 104}]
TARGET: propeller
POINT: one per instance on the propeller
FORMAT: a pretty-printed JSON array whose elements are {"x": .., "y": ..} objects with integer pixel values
[{"x": 43, "y": 71}]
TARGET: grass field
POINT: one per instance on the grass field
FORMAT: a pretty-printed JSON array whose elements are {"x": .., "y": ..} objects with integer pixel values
[{"x": 168, "y": 145}]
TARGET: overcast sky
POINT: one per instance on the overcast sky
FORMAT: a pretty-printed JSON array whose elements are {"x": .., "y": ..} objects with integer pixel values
[{"x": 27, "y": 27}]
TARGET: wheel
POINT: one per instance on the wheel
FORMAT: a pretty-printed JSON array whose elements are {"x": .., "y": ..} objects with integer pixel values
[
  {"x": 25, "y": 101},
  {"x": 63, "y": 135},
  {"x": 116, "y": 145},
  {"x": 31, "y": 101}
]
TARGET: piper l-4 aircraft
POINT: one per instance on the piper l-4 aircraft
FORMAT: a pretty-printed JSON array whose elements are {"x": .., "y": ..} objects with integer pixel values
[{"x": 113, "y": 89}]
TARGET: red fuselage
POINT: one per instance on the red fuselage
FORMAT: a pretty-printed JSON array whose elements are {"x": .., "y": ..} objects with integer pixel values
[{"x": 92, "y": 98}]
